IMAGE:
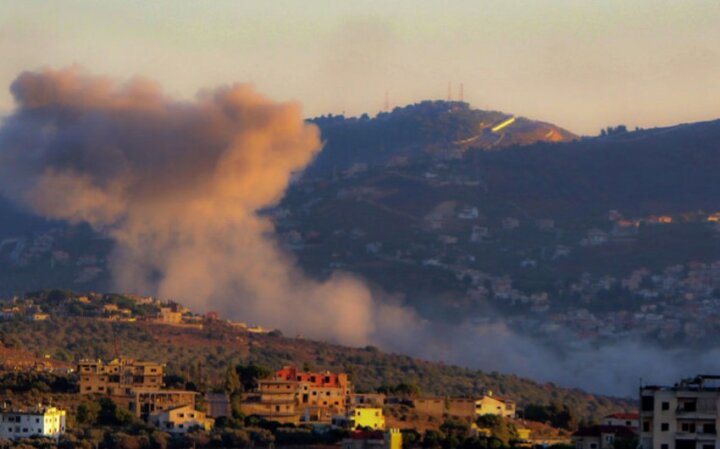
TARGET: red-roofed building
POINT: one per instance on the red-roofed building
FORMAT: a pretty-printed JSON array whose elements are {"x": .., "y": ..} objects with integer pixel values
[
  {"x": 325, "y": 379},
  {"x": 629, "y": 420}
]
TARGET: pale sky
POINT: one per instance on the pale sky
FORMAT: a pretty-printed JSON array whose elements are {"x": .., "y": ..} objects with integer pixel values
[{"x": 581, "y": 64}]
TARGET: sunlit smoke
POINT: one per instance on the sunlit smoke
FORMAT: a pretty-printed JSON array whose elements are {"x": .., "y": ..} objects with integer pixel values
[{"x": 177, "y": 186}]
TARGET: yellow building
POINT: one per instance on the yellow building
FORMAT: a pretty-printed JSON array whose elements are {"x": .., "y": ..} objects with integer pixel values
[
  {"x": 495, "y": 405},
  {"x": 370, "y": 417},
  {"x": 119, "y": 376},
  {"x": 181, "y": 419}
]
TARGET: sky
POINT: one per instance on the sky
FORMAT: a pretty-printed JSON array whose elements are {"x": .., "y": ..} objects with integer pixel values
[{"x": 582, "y": 65}]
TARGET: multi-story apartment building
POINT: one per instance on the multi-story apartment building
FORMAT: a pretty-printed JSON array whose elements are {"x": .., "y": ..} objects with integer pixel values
[
  {"x": 119, "y": 376},
  {"x": 684, "y": 416},
  {"x": 275, "y": 400},
  {"x": 44, "y": 422},
  {"x": 292, "y": 395}
]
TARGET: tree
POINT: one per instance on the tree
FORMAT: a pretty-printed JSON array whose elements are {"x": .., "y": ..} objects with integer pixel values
[
  {"x": 250, "y": 374},
  {"x": 500, "y": 429},
  {"x": 232, "y": 381}
]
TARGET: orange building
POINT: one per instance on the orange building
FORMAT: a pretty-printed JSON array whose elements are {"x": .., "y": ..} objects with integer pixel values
[{"x": 292, "y": 395}]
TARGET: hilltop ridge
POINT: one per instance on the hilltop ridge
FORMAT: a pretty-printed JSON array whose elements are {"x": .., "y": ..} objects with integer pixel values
[{"x": 428, "y": 128}]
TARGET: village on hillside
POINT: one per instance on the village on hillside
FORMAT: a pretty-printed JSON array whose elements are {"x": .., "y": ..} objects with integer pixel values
[
  {"x": 60, "y": 401},
  {"x": 292, "y": 407}
]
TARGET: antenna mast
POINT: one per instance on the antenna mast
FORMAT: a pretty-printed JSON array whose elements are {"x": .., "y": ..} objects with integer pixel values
[{"x": 462, "y": 93}]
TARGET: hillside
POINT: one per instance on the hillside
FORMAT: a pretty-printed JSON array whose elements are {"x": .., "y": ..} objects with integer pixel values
[
  {"x": 429, "y": 128},
  {"x": 202, "y": 354}
]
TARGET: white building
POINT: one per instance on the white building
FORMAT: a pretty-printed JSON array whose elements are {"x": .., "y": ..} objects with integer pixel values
[
  {"x": 47, "y": 422},
  {"x": 629, "y": 420},
  {"x": 181, "y": 419},
  {"x": 684, "y": 416}
]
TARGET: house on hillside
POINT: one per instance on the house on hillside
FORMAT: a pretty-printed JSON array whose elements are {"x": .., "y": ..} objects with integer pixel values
[
  {"x": 392, "y": 439},
  {"x": 46, "y": 422},
  {"x": 181, "y": 419},
  {"x": 629, "y": 420},
  {"x": 600, "y": 437}
]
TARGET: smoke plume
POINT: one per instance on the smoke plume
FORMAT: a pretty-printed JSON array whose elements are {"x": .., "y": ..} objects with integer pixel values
[{"x": 177, "y": 186}]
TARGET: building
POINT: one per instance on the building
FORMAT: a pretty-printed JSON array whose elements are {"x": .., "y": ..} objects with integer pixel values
[
  {"x": 181, "y": 419},
  {"x": 365, "y": 400},
  {"x": 292, "y": 395},
  {"x": 495, "y": 405},
  {"x": 461, "y": 407},
  {"x": 392, "y": 439},
  {"x": 684, "y": 416},
  {"x": 169, "y": 315},
  {"x": 218, "y": 405},
  {"x": 629, "y": 420},
  {"x": 370, "y": 417},
  {"x": 600, "y": 437},
  {"x": 44, "y": 422},
  {"x": 469, "y": 408},
  {"x": 431, "y": 405},
  {"x": 275, "y": 400},
  {"x": 119, "y": 376},
  {"x": 145, "y": 403}
]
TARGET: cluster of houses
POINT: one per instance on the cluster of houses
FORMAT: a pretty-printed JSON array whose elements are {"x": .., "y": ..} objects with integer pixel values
[
  {"x": 130, "y": 308},
  {"x": 680, "y": 304},
  {"x": 684, "y": 416},
  {"x": 295, "y": 396}
]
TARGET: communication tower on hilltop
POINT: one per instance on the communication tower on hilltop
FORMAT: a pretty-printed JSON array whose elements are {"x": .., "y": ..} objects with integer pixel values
[{"x": 462, "y": 93}]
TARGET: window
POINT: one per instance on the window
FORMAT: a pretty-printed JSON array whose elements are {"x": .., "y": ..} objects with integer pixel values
[
  {"x": 664, "y": 427},
  {"x": 593, "y": 446},
  {"x": 647, "y": 403},
  {"x": 709, "y": 428},
  {"x": 688, "y": 427},
  {"x": 665, "y": 405},
  {"x": 646, "y": 426},
  {"x": 628, "y": 423},
  {"x": 663, "y": 446},
  {"x": 708, "y": 446}
]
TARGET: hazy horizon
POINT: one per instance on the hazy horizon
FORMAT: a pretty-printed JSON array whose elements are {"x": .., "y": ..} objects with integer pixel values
[{"x": 580, "y": 65}]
